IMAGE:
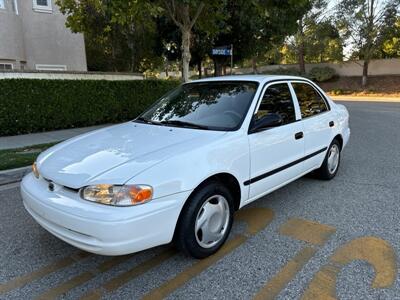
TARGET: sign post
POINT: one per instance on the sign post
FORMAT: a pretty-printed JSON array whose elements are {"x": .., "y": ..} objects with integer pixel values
[
  {"x": 231, "y": 58},
  {"x": 224, "y": 51}
]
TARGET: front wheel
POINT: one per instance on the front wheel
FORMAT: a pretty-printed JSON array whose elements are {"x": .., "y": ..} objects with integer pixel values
[
  {"x": 205, "y": 221},
  {"x": 331, "y": 162}
]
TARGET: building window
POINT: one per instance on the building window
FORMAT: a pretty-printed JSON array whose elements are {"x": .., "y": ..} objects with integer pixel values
[
  {"x": 41, "y": 67},
  {"x": 42, "y": 6},
  {"x": 2, "y": 4},
  {"x": 4, "y": 67}
]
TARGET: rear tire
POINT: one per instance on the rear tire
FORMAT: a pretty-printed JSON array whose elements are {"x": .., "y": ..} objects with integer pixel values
[
  {"x": 331, "y": 163},
  {"x": 205, "y": 221}
]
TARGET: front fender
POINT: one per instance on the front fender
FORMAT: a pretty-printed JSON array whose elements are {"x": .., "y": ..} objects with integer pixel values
[{"x": 185, "y": 171}]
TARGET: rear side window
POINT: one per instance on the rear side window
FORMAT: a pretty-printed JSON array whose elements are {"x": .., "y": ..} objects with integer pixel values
[
  {"x": 277, "y": 99},
  {"x": 310, "y": 101}
]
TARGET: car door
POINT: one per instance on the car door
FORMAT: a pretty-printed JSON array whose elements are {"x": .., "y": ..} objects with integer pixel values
[
  {"x": 317, "y": 120},
  {"x": 274, "y": 151}
]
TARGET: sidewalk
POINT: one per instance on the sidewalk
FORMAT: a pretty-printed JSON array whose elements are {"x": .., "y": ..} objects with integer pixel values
[{"x": 18, "y": 141}]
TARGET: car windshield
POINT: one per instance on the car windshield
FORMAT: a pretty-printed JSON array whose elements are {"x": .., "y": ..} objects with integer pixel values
[{"x": 207, "y": 105}]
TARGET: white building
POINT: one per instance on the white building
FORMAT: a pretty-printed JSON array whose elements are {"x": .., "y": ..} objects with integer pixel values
[{"x": 33, "y": 36}]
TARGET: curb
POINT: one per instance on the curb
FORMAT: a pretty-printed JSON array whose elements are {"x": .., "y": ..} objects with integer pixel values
[
  {"x": 13, "y": 175},
  {"x": 365, "y": 98}
]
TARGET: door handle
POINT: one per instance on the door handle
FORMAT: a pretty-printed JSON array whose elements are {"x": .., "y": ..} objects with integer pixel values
[
  {"x": 331, "y": 124},
  {"x": 299, "y": 135}
]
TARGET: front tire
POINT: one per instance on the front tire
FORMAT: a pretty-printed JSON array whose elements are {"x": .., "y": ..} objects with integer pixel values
[
  {"x": 331, "y": 163},
  {"x": 205, "y": 221}
]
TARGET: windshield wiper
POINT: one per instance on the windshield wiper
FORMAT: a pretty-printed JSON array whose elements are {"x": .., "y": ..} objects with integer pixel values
[
  {"x": 184, "y": 124},
  {"x": 141, "y": 119}
]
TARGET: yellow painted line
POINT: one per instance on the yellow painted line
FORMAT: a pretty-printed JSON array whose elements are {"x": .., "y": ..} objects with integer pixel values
[
  {"x": 25, "y": 279},
  {"x": 282, "y": 278},
  {"x": 307, "y": 231},
  {"x": 377, "y": 252},
  {"x": 304, "y": 230},
  {"x": 125, "y": 277},
  {"x": 256, "y": 219},
  {"x": 194, "y": 270},
  {"x": 83, "y": 278},
  {"x": 323, "y": 285}
]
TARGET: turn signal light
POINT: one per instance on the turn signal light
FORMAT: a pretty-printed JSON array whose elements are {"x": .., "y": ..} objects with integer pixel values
[{"x": 35, "y": 170}]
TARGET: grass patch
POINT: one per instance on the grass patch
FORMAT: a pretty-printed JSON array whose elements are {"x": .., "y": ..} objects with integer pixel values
[{"x": 21, "y": 157}]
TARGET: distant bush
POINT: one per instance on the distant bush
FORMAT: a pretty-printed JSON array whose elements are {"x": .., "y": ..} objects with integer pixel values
[
  {"x": 337, "y": 92},
  {"x": 284, "y": 71},
  {"x": 32, "y": 105},
  {"x": 321, "y": 74}
]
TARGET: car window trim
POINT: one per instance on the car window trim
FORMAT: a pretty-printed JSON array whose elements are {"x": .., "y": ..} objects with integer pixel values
[
  {"x": 246, "y": 112},
  {"x": 264, "y": 88}
]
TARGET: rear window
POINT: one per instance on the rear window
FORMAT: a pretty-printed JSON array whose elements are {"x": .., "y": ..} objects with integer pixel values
[{"x": 310, "y": 101}]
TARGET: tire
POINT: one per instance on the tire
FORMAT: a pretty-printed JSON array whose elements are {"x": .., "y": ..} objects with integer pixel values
[
  {"x": 330, "y": 167},
  {"x": 210, "y": 209}
]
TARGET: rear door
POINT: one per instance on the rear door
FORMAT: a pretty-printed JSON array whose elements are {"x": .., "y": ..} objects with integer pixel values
[
  {"x": 317, "y": 121},
  {"x": 274, "y": 150}
]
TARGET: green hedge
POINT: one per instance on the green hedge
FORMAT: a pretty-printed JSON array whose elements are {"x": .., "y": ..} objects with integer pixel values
[{"x": 31, "y": 105}]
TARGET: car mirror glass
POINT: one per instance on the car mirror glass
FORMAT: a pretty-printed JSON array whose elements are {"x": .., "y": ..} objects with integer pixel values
[{"x": 268, "y": 121}]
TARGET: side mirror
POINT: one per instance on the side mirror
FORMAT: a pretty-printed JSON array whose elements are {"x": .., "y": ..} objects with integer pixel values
[{"x": 270, "y": 120}]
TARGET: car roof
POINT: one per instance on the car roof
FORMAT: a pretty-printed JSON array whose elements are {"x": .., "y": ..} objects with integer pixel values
[{"x": 256, "y": 78}]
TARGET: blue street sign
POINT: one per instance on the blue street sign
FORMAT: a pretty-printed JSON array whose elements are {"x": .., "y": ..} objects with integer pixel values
[{"x": 222, "y": 51}]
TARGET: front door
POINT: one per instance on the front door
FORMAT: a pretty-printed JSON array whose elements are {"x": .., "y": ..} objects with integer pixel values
[{"x": 274, "y": 151}]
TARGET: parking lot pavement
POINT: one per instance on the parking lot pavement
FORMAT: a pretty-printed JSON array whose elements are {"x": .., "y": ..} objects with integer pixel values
[{"x": 309, "y": 240}]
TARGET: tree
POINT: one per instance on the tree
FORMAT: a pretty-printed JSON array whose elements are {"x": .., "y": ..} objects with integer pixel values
[
  {"x": 313, "y": 14},
  {"x": 256, "y": 27},
  {"x": 390, "y": 44},
  {"x": 168, "y": 42},
  {"x": 364, "y": 22},
  {"x": 321, "y": 42},
  {"x": 119, "y": 34},
  {"x": 184, "y": 14}
]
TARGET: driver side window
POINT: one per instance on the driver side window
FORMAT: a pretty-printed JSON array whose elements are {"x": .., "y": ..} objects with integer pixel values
[{"x": 277, "y": 99}]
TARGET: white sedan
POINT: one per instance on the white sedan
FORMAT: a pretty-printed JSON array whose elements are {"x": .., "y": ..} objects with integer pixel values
[{"x": 180, "y": 170}]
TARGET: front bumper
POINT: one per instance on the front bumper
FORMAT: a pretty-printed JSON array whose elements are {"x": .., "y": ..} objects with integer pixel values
[{"x": 97, "y": 228}]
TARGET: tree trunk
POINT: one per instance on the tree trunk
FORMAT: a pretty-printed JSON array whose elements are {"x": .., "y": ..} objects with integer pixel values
[
  {"x": 217, "y": 67},
  {"x": 254, "y": 65},
  {"x": 166, "y": 68},
  {"x": 186, "y": 33},
  {"x": 364, "y": 81},
  {"x": 199, "y": 68},
  {"x": 302, "y": 66},
  {"x": 131, "y": 45}
]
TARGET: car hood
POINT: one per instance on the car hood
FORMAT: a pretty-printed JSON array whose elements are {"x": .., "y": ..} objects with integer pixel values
[{"x": 115, "y": 154}]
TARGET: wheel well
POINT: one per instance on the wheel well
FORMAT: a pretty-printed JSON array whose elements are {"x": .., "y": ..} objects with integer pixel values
[
  {"x": 340, "y": 140},
  {"x": 229, "y": 181},
  {"x": 226, "y": 179}
]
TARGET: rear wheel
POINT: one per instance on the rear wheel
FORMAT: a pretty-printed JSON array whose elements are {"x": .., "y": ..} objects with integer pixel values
[
  {"x": 331, "y": 162},
  {"x": 205, "y": 221}
]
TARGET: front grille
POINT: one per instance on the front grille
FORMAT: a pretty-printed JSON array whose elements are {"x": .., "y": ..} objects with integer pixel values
[{"x": 67, "y": 188}]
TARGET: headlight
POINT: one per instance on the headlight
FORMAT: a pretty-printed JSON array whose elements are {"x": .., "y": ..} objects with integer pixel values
[
  {"x": 35, "y": 170},
  {"x": 117, "y": 195}
]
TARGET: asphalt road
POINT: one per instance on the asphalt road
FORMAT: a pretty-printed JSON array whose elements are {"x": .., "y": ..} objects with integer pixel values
[{"x": 310, "y": 239}]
